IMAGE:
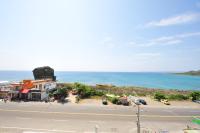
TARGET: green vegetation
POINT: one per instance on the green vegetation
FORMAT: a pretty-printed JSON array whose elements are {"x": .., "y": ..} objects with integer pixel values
[
  {"x": 195, "y": 95},
  {"x": 158, "y": 96},
  {"x": 112, "y": 98},
  {"x": 85, "y": 91},
  {"x": 62, "y": 92},
  {"x": 193, "y": 73},
  {"x": 59, "y": 94},
  {"x": 177, "y": 97}
]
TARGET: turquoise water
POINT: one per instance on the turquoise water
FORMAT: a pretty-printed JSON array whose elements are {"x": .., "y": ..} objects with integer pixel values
[{"x": 151, "y": 80}]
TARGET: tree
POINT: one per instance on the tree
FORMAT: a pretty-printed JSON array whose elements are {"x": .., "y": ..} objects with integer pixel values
[
  {"x": 84, "y": 91},
  {"x": 61, "y": 93},
  {"x": 195, "y": 95}
]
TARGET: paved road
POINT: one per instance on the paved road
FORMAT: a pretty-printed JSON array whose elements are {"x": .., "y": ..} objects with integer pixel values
[{"x": 57, "y": 118}]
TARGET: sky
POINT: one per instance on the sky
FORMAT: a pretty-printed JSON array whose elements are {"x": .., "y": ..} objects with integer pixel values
[{"x": 100, "y": 35}]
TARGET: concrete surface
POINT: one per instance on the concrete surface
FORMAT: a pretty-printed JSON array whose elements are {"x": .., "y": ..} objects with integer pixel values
[{"x": 39, "y": 117}]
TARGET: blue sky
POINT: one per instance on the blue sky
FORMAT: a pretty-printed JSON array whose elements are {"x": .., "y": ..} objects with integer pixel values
[{"x": 100, "y": 35}]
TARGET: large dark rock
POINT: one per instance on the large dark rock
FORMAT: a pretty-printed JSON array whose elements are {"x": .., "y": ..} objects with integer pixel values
[{"x": 45, "y": 72}]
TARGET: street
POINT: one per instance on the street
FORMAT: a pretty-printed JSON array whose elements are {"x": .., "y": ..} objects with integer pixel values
[{"x": 39, "y": 117}]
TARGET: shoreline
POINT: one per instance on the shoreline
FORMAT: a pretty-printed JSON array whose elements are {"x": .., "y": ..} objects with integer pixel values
[{"x": 134, "y": 86}]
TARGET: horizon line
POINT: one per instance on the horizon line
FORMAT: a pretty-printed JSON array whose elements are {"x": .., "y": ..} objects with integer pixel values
[{"x": 104, "y": 71}]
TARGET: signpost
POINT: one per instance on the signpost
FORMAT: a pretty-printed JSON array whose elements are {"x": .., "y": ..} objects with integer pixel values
[{"x": 196, "y": 121}]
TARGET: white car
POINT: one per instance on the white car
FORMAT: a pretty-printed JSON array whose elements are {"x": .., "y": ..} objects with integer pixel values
[{"x": 134, "y": 100}]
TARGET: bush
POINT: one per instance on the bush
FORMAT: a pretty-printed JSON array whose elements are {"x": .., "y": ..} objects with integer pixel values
[
  {"x": 114, "y": 100},
  {"x": 177, "y": 97},
  {"x": 159, "y": 96},
  {"x": 99, "y": 93},
  {"x": 63, "y": 92},
  {"x": 50, "y": 94},
  {"x": 60, "y": 94},
  {"x": 195, "y": 95},
  {"x": 84, "y": 91}
]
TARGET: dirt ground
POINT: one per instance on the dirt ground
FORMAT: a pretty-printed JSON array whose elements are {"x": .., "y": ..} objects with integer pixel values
[
  {"x": 154, "y": 103},
  {"x": 151, "y": 103}
]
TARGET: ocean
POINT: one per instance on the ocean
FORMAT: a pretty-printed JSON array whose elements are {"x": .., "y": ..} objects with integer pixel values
[{"x": 141, "y": 79}]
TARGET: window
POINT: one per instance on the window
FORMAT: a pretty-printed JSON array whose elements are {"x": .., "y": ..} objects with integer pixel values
[{"x": 40, "y": 86}]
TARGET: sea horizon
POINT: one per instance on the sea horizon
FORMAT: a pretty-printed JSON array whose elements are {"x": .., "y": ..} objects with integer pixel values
[{"x": 106, "y": 71}]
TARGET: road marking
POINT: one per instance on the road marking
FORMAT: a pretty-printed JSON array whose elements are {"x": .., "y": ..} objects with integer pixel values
[
  {"x": 32, "y": 132},
  {"x": 98, "y": 114},
  {"x": 26, "y": 118},
  {"x": 96, "y": 121},
  {"x": 32, "y": 129},
  {"x": 59, "y": 120}
]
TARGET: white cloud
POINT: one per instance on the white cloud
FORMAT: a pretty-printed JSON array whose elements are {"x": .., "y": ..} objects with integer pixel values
[
  {"x": 168, "y": 40},
  {"x": 148, "y": 54},
  {"x": 173, "y": 42},
  {"x": 189, "y": 34},
  {"x": 180, "y": 19}
]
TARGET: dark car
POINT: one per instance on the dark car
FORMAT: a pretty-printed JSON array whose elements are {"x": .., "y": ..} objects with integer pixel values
[
  {"x": 196, "y": 101},
  {"x": 142, "y": 101}
]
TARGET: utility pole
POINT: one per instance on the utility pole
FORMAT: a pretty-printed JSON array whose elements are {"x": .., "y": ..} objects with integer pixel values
[
  {"x": 96, "y": 128},
  {"x": 138, "y": 115},
  {"x": 138, "y": 118}
]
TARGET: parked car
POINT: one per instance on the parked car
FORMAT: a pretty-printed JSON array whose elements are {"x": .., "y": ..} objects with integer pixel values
[
  {"x": 165, "y": 101},
  {"x": 104, "y": 101},
  {"x": 142, "y": 101},
  {"x": 136, "y": 101},
  {"x": 196, "y": 101}
]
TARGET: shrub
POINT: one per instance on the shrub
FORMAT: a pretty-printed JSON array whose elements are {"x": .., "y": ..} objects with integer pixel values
[
  {"x": 69, "y": 87},
  {"x": 195, "y": 95},
  {"x": 177, "y": 97},
  {"x": 159, "y": 96},
  {"x": 114, "y": 100},
  {"x": 61, "y": 92},
  {"x": 84, "y": 91},
  {"x": 99, "y": 93},
  {"x": 50, "y": 94}
]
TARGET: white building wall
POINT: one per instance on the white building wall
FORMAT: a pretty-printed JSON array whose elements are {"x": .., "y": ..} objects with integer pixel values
[{"x": 45, "y": 87}]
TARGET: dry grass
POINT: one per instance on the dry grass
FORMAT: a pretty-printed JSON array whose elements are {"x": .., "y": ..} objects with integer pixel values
[{"x": 130, "y": 90}]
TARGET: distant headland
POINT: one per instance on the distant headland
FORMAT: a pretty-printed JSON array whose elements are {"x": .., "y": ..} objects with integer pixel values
[{"x": 192, "y": 73}]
